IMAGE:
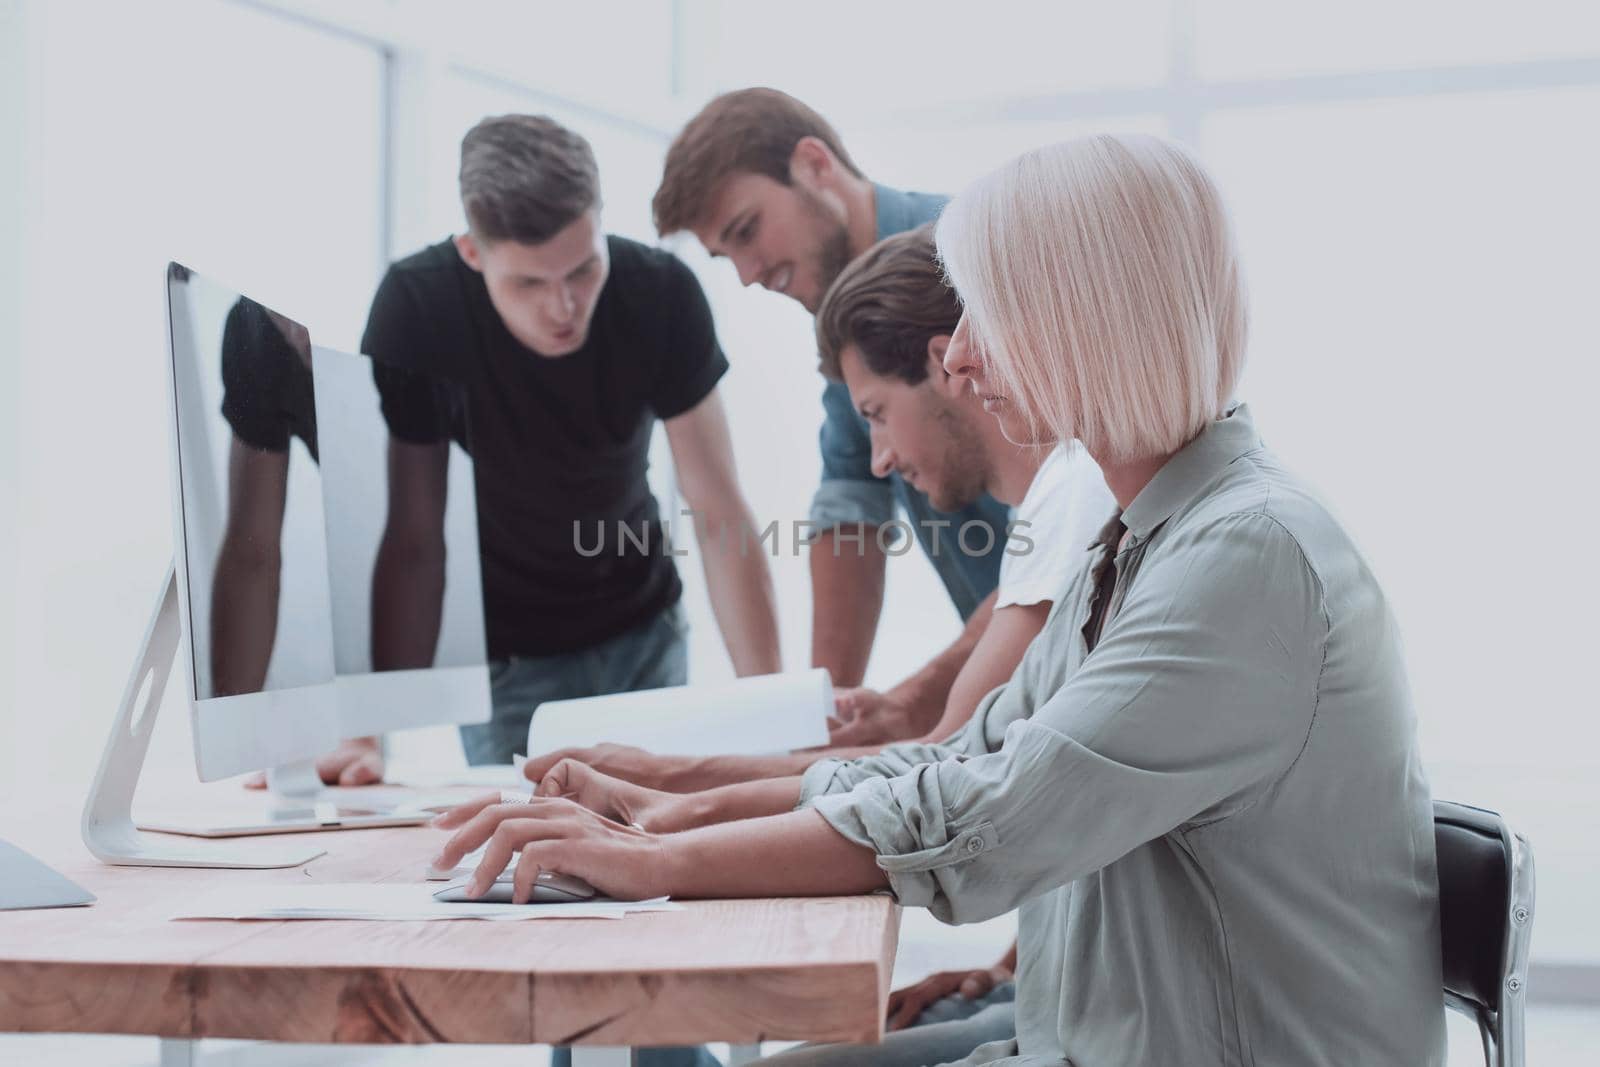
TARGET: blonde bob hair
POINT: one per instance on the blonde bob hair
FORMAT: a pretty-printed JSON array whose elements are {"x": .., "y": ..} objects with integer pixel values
[{"x": 1102, "y": 288}]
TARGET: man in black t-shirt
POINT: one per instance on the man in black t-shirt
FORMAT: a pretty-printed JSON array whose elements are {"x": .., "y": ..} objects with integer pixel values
[{"x": 567, "y": 346}]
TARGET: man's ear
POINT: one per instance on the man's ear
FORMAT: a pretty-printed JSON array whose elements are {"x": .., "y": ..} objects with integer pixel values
[
  {"x": 470, "y": 254},
  {"x": 811, "y": 162},
  {"x": 941, "y": 379}
]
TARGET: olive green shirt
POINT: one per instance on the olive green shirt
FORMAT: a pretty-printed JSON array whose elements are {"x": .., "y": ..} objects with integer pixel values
[{"x": 1215, "y": 824}]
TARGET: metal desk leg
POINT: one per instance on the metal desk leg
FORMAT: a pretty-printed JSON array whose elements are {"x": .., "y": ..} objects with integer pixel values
[
  {"x": 739, "y": 1055},
  {"x": 598, "y": 1056},
  {"x": 179, "y": 1052}
]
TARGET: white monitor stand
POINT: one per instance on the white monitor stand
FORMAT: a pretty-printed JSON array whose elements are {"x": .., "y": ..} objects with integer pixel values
[
  {"x": 108, "y": 827},
  {"x": 297, "y": 797}
]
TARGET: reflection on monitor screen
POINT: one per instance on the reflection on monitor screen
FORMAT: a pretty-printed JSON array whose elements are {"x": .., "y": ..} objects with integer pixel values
[
  {"x": 252, "y": 509},
  {"x": 358, "y": 489},
  {"x": 285, "y": 471},
  {"x": 409, "y": 649}
]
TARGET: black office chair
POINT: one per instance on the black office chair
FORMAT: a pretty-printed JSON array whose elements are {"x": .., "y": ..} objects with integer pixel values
[{"x": 1486, "y": 919}]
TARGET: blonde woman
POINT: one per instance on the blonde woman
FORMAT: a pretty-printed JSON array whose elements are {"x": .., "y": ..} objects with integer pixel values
[{"x": 1202, "y": 786}]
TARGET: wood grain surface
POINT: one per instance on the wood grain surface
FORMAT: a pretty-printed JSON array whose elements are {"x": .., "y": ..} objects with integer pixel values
[{"x": 730, "y": 970}]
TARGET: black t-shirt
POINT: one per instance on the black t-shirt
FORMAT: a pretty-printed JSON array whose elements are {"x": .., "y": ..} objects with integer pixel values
[
  {"x": 554, "y": 441},
  {"x": 267, "y": 395}
]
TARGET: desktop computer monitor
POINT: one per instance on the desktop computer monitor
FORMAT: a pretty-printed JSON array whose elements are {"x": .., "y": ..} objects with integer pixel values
[
  {"x": 284, "y": 469},
  {"x": 359, "y": 475},
  {"x": 249, "y": 531},
  {"x": 282, "y": 466}
]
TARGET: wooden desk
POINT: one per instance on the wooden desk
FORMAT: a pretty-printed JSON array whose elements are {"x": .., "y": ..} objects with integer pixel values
[{"x": 738, "y": 971}]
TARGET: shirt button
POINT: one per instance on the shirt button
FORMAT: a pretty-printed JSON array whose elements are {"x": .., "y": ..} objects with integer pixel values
[{"x": 974, "y": 845}]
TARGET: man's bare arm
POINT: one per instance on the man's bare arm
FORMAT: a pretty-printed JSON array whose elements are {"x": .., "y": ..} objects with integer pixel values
[
  {"x": 993, "y": 661},
  {"x": 991, "y": 664},
  {"x": 245, "y": 583},
  {"x": 407, "y": 589},
  {"x": 689, "y": 774},
  {"x": 932, "y": 686},
  {"x": 408, "y": 576},
  {"x": 737, "y": 578},
  {"x": 917, "y": 704},
  {"x": 846, "y": 601}
]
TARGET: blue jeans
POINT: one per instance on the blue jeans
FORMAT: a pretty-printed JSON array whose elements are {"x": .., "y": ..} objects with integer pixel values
[
  {"x": 945, "y": 1032},
  {"x": 651, "y": 655}
]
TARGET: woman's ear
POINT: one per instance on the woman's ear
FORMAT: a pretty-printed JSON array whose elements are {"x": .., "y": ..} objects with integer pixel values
[{"x": 942, "y": 379}]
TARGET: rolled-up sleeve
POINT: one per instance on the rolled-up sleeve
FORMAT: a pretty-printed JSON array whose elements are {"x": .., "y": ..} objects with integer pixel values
[
  {"x": 833, "y": 776},
  {"x": 1200, "y": 694},
  {"x": 850, "y": 492},
  {"x": 981, "y": 734}
]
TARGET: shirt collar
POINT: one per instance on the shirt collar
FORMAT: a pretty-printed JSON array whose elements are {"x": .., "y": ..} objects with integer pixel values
[
  {"x": 1195, "y": 466},
  {"x": 894, "y": 209}
]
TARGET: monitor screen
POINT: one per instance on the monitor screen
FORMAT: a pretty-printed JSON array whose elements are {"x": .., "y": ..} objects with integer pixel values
[
  {"x": 406, "y": 631},
  {"x": 251, "y": 508},
  {"x": 304, "y": 620}
]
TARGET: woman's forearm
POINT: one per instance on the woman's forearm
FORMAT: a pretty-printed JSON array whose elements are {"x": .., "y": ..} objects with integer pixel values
[
  {"x": 695, "y": 774},
  {"x": 796, "y": 854},
  {"x": 747, "y": 800}
]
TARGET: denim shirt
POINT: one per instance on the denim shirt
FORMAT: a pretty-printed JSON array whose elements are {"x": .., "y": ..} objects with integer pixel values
[
  {"x": 1215, "y": 822},
  {"x": 968, "y": 563}
]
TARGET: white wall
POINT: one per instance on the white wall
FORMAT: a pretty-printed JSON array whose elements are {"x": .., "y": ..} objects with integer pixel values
[
  {"x": 14, "y": 130},
  {"x": 1423, "y": 275},
  {"x": 232, "y": 141}
]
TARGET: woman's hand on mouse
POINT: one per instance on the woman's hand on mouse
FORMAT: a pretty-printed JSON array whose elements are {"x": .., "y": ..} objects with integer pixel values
[{"x": 553, "y": 834}]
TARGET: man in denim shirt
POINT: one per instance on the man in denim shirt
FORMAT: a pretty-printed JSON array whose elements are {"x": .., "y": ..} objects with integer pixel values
[{"x": 762, "y": 179}]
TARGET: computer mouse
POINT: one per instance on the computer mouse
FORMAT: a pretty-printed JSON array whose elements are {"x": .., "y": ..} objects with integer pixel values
[
  {"x": 463, "y": 869},
  {"x": 548, "y": 888}
]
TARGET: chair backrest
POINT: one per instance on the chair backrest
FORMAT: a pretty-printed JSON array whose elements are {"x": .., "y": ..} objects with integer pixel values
[{"x": 1486, "y": 917}]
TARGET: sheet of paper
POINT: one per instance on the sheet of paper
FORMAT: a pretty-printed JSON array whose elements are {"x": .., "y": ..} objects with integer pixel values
[
  {"x": 748, "y": 716},
  {"x": 396, "y": 902},
  {"x": 486, "y": 776}
]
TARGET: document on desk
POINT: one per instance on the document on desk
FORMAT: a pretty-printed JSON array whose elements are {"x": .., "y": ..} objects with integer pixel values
[
  {"x": 745, "y": 717},
  {"x": 484, "y": 776},
  {"x": 403, "y": 902}
]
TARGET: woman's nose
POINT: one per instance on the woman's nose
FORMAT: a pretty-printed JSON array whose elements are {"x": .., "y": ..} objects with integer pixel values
[{"x": 959, "y": 359}]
